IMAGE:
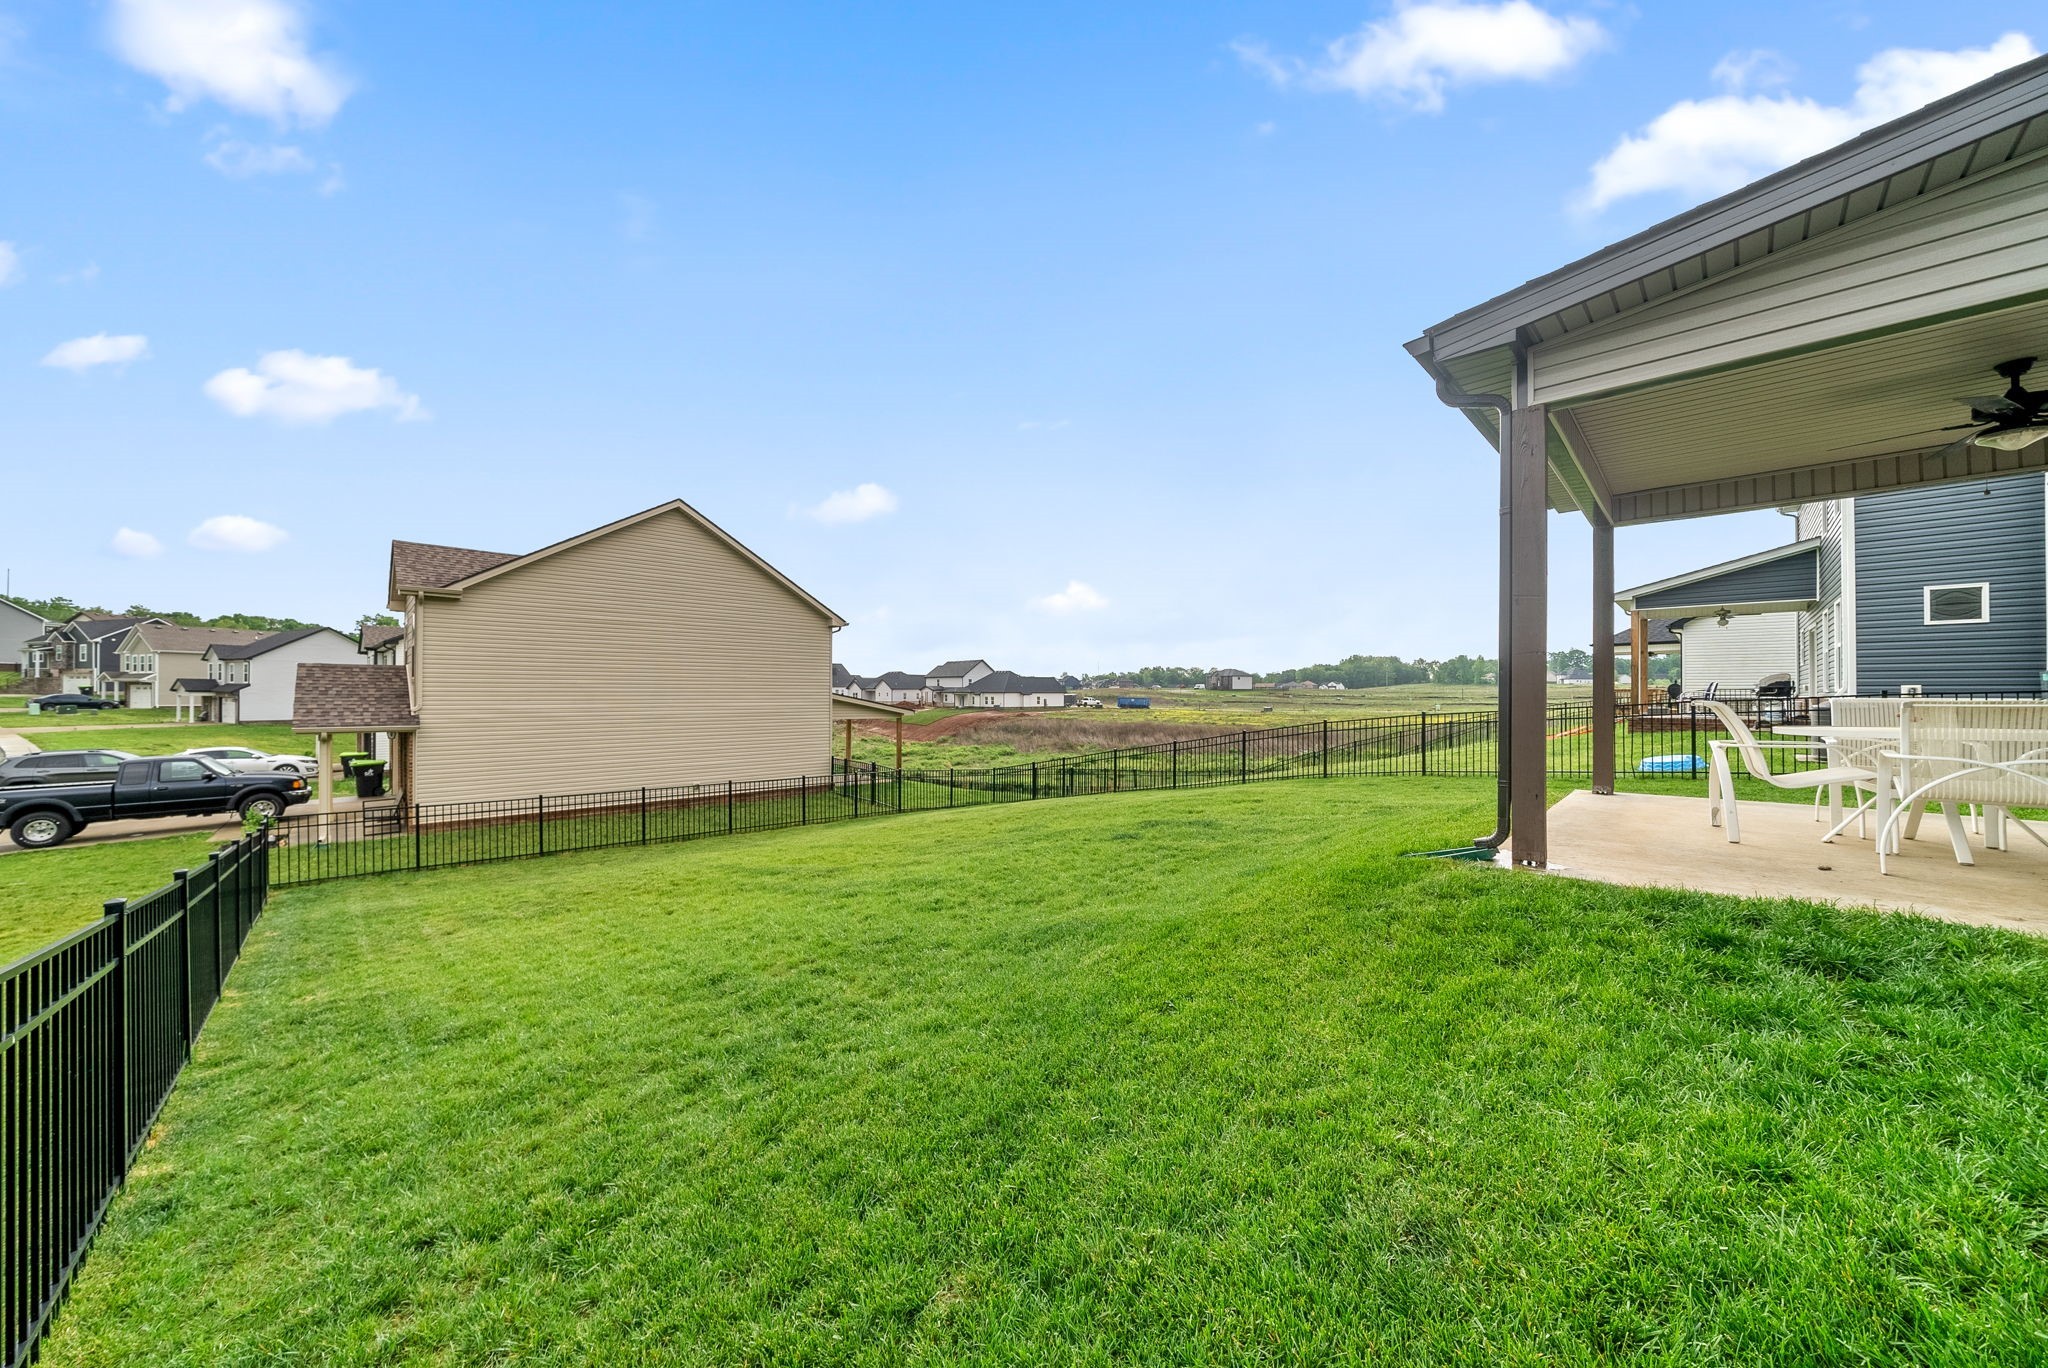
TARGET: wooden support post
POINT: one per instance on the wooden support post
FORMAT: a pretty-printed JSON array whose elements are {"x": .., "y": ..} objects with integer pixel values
[
  {"x": 849, "y": 741},
  {"x": 323, "y": 760},
  {"x": 1529, "y": 604},
  {"x": 1639, "y": 658},
  {"x": 1603, "y": 652}
]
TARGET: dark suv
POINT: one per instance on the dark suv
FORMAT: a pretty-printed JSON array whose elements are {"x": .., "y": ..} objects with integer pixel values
[{"x": 61, "y": 767}]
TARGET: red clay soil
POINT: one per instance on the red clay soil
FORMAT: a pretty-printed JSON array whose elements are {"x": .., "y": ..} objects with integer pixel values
[{"x": 1033, "y": 729}]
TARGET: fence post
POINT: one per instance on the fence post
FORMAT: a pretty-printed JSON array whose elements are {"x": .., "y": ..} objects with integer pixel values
[
  {"x": 1692, "y": 714},
  {"x": 1115, "y": 765},
  {"x": 1326, "y": 748},
  {"x": 181, "y": 880},
  {"x": 643, "y": 814},
  {"x": 213, "y": 891},
  {"x": 728, "y": 807},
  {"x": 415, "y": 835},
  {"x": 803, "y": 801},
  {"x": 1244, "y": 746},
  {"x": 952, "y": 784},
  {"x": 1176, "y": 766},
  {"x": 540, "y": 805},
  {"x": 1034, "y": 778},
  {"x": 117, "y": 908}
]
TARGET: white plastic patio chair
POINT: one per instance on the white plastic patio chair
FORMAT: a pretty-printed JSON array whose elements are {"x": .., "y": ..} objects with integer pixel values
[
  {"x": 1721, "y": 805},
  {"x": 1864, "y": 755},
  {"x": 1990, "y": 753}
]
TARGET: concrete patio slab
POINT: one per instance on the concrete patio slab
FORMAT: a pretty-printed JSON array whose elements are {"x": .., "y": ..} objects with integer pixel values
[{"x": 1654, "y": 841}]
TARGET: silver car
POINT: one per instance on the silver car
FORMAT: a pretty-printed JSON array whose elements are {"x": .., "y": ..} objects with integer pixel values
[{"x": 246, "y": 760}]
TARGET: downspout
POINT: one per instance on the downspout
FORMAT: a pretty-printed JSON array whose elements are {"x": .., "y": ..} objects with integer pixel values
[{"x": 1447, "y": 391}]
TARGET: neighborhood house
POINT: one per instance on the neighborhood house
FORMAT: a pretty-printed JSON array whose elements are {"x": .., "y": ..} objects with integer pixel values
[{"x": 702, "y": 664}]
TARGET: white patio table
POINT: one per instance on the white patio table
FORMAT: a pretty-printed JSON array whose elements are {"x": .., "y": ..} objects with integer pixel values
[{"x": 1888, "y": 771}]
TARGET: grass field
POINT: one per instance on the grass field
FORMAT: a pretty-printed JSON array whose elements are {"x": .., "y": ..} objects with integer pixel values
[
  {"x": 47, "y": 894},
  {"x": 275, "y": 737},
  {"x": 1176, "y": 1077},
  {"x": 103, "y": 717}
]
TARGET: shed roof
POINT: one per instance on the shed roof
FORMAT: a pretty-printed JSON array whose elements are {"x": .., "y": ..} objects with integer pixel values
[
  {"x": 205, "y": 686},
  {"x": 341, "y": 698}
]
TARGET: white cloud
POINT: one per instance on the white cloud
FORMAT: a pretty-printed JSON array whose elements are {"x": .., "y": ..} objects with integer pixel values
[
  {"x": 1075, "y": 598},
  {"x": 84, "y": 275},
  {"x": 233, "y": 532},
  {"x": 1422, "y": 50},
  {"x": 81, "y": 354},
  {"x": 129, "y": 542},
  {"x": 857, "y": 504},
  {"x": 238, "y": 159},
  {"x": 1702, "y": 148},
  {"x": 293, "y": 387},
  {"x": 10, "y": 264},
  {"x": 249, "y": 55}
]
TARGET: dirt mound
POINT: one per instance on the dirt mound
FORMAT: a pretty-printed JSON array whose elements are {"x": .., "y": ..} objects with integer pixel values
[{"x": 1045, "y": 732}]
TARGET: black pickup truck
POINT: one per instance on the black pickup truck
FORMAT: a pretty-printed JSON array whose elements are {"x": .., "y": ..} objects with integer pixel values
[{"x": 166, "y": 786}]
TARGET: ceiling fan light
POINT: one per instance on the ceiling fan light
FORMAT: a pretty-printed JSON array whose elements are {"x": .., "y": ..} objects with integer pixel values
[{"x": 2013, "y": 439}]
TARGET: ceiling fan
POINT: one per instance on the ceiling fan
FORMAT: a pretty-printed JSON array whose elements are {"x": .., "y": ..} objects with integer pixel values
[{"x": 2009, "y": 421}]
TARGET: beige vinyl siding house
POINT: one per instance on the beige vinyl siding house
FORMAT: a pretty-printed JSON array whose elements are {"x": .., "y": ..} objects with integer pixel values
[
  {"x": 695, "y": 662},
  {"x": 154, "y": 655}
]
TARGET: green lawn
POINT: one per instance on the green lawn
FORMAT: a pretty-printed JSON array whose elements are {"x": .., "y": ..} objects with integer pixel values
[
  {"x": 275, "y": 737},
  {"x": 1176, "y": 1077},
  {"x": 47, "y": 894},
  {"x": 99, "y": 717}
]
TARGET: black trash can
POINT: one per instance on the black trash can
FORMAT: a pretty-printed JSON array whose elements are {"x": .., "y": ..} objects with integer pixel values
[{"x": 370, "y": 778}]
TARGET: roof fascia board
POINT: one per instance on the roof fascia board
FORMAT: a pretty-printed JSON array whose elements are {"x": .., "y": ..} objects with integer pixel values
[
  {"x": 1775, "y": 553},
  {"x": 1736, "y": 608},
  {"x": 1829, "y": 480},
  {"x": 2010, "y": 97},
  {"x": 672, "y": 506}
]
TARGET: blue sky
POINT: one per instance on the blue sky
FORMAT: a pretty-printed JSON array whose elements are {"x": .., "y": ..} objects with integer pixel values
[{"x": 1090, "y": 316}]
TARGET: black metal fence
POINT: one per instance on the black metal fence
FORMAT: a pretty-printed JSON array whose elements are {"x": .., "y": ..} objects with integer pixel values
[
  {"x": 1665, "y": 739},
  {"x": 97, "y": 1028}
]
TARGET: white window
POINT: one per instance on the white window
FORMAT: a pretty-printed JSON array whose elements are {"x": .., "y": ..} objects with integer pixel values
[
  {"x": 1953, "y": 603},
  {"x": 138, "y": 664}
]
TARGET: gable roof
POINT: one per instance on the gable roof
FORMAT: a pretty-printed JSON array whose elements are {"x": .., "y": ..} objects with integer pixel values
[
  {"x": 449, "y": 558},
  {"x": 10, "y": 603},
  {"x": 1009, "y": 681},
  {"x": 378, "y": 635},
  {"x": 1774, "y": 579},
  {"x": 339, "y": 698},
  {"x": 100, "y": 626},
  {"x": 900, "y": 679},
  {"x": 953, "y": 669},
  {"x": 166, "y": 637},
  {"x": 247, "y": 650},
  {"x": 841, "y": 676}
]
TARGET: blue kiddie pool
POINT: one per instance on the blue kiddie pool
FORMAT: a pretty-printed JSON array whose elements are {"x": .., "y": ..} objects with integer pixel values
[{"x": 1672, "y": 764}]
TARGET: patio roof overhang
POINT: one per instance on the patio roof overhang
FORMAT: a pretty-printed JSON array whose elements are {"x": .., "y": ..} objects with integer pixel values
[
  {"x": 1803, "y": 338},
  {"x": 1807, "y": 337},
  {"x": 1781, "y": 580}
]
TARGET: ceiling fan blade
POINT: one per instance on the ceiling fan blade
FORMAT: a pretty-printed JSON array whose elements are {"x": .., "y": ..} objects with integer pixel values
[{"x": 1995, "y": 406}]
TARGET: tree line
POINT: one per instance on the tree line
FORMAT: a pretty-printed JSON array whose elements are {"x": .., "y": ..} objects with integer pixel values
[{"x": 60, "y": 608}]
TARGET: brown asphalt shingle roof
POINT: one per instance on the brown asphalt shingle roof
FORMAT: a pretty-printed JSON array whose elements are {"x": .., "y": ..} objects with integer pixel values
[
  {"x": 423, "y": 565},
  {"x": 196, "y": 639},
  {"x": 352, "y": 698},
  {"x": 377, "y": 636}
]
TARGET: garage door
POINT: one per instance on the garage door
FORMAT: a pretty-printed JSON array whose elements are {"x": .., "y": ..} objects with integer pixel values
[{"x": 142, "y": 695}]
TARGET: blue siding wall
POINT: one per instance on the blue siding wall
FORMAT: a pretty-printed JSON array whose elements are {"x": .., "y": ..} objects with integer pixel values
[
  {"x": 1789, "y": 579},
  {"x": 1992, "y": 530}
]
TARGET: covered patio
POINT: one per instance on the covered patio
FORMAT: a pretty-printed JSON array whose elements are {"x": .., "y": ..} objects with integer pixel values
[
  {"x": 363, "y": 701},
  {"x": 847, "y": 711},
  {"x": 1862, "y": 321}
]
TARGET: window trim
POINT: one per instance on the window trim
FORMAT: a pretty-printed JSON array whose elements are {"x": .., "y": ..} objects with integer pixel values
[{"x": 1927, "y": 593}]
